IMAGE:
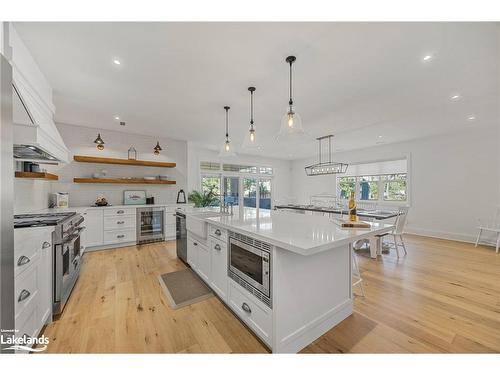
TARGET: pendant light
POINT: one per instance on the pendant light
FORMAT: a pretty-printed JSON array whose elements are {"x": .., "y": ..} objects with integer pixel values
[
  {"x": 250, "y": 141},
  {"x": 157, "y": 148},
  {"x": 326, "y": 167},
  {"x": 227, "y": 148},
  {"x": 291, "y": 123},
  {"x": 99, "y": 142}
]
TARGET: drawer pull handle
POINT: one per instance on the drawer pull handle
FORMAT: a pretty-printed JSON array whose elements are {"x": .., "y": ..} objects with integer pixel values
[
  {"x": 217, "y": 247},
  {"x": 195, "y": 243},
  {"x": 45, "y": 245},
  {"x": 246, "y": 308},
  {"x": 120, "y": 236},
  {"x": 120, "y": 212},
  {"x": 120, "y": 222},
  {"x": 23, "y": 260},
  {"x": 218, "y": 232},
  {"x": 23, "y": 295}
]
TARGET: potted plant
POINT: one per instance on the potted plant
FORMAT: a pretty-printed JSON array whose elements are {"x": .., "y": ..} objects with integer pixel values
[{"x": 204, "y": 198}]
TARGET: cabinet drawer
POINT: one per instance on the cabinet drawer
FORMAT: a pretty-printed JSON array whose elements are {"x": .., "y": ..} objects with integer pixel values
[
  {"x": 28, "y": 243},
  {"x": 119, "y": 211},
  {"x": 217, "y": 232},
  {"x": 118, "y": 236},
  {"x": 119, "y": 222},
  {"x": 26, "y": 287},
  {"x": 257, "y": 317}
]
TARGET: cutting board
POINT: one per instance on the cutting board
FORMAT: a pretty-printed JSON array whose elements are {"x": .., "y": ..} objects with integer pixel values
[{"x": 352, "y": 224}]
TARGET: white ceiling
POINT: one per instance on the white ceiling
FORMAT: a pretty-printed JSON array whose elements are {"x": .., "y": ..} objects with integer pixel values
[{"x": 356, "y": 80}]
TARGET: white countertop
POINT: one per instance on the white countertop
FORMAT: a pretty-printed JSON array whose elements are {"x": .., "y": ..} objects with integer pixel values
[
  {"x": 80, "y": 209},
  {"x": 302, "y": 234}
]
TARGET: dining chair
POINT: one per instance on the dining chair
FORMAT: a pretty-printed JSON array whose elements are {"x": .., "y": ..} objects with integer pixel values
[
  {"x": 398, "y": 231},
  {"x": 490, "y": 226}
]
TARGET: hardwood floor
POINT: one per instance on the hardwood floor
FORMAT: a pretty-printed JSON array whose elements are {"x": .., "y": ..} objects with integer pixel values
[{"x": 444, "y": 296}]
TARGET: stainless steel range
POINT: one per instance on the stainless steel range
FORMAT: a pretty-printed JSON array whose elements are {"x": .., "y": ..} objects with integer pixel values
[{"x": 66, "y": 252}]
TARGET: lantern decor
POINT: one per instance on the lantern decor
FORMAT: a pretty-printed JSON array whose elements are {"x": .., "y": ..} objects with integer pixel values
[{"x": 132, "y": 153}]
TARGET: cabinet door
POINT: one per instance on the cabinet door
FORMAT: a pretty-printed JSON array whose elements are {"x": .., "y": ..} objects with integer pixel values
[
  {"x": 192, "y": 253},
  {"x": 204, "y": 262},
  {"x": 45, "y": 285},
  {"x": 94, "y": 223},
  {"x": 218, "y": 261}
]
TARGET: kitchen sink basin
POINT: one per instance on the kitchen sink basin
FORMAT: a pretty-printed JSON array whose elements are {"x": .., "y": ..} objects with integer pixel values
[{"x": 196, "y": 224}]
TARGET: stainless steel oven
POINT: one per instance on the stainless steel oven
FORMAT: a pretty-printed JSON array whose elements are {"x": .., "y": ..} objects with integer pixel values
[
  {"x": 250, "y": 265},
  {"x": 150, "y": 224}
]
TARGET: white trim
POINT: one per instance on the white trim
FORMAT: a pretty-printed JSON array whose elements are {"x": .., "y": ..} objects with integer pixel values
[{"x": 469, "y": 238}]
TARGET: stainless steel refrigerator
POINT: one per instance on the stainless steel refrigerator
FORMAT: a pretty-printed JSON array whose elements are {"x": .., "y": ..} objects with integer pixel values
[{"x": 6, "y": 203}]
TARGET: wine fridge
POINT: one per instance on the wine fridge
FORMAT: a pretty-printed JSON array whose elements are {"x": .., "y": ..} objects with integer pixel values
[{"x": 150, "y": 224}]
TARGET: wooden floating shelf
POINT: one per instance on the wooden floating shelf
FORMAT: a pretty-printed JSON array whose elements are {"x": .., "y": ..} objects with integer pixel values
[
  {"x": 37, "y": 175},
  {"x": 146, "y": 163},
  {"x": 124, "y": 181}
]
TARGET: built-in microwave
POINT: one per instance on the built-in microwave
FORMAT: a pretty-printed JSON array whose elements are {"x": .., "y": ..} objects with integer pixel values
[{"x": 250, "y": 265}]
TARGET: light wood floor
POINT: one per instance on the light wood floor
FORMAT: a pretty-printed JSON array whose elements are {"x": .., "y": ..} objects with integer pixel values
[{"x": 443, "y": 296}]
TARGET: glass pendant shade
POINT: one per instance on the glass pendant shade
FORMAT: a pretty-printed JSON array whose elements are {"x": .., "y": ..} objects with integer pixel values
[
  {"x": 99, "y": 142},
  {"x": 251, "y": 141},
  {"x": 291, "y": 126}
]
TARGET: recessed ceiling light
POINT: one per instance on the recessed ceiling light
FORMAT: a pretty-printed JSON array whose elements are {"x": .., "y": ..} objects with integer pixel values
[
  {"x": 117, "y": 118},
  {"x": 471, "y": 118},
  {"x": 116, "y": 62},
  {"x": 427, "y": 57},
  {"x": 455, "y": 97}
]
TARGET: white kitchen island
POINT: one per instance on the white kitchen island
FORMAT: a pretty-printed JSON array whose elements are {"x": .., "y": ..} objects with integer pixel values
[{"x": 310, "y": 267}]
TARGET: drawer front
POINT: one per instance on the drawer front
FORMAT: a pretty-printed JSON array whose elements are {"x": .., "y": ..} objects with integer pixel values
[
  {"x": 119, "y": 211},
  {"x": 26, "y": 290},
  {"x": 217, "y": 232},
  {"x": 28, "y": 243},
  {"x": 119, "y": 236},
  {"x": 119, "y": 222},
  {"x": 257, "y": 317}
]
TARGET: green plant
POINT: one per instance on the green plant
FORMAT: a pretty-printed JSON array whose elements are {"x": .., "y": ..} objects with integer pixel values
[{"x": 205, "y": 198}]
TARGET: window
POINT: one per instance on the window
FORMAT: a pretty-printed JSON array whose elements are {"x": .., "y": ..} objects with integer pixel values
[
  {"x": 345, "y": 186},
  {"x": 232, "y": 190},
  {"x": 250, "y": 192},
  {"x": 209, "y": 166},
  {"x": 239, "y": 168},
  {"x": 368, "y": 188},
  {"x": 265, "y": 193},
  {"x": 395, "y": 187},
  {"x": 265, "y": 170}
]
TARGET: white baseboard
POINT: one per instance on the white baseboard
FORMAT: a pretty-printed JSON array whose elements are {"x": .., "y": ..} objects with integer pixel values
[
  {"x": 306, "y": 334},
  {"x": 461, "y": 237}
]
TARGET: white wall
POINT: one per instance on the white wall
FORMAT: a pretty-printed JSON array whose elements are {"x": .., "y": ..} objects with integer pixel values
[
  {"x": 282, "y": 169},
  {"x": 80, "y": 142},
  {"x": 453, "y": 180}
]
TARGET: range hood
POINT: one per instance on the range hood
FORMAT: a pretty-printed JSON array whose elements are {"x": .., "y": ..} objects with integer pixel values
[{"x": 35, "y": 134}]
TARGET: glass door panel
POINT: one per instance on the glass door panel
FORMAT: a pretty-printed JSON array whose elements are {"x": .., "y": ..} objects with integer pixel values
[
  {"x": 250, "y": 192},
  {"x": 265, "y": 193},
  {"x": 231, "y": 187}
]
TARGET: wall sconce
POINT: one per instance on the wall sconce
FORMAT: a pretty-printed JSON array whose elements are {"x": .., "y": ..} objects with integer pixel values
[
  {"x": 157, "y": 148},
  {"x": 99, "y": 142}
]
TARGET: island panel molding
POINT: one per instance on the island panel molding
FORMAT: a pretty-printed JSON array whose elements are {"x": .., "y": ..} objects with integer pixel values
[{"x": 102, "y": 160}]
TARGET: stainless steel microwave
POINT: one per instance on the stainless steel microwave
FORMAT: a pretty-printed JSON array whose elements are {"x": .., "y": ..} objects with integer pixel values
[{"x": 250, "y": 265}]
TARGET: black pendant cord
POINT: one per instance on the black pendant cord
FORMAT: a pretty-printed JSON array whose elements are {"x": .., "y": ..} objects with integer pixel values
[
  {"x": 227, "y": 128},
  {"x": 290, "y": 102},
  {"x": 251, "y": 89}
]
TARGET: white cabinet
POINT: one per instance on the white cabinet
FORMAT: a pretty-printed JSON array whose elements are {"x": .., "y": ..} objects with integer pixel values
[
  {"x": 94, "y": 223},
  {"x": 192, "y": 252},
  {"x": 170, "y": 228},
  {"x": 33, "y": 279},
  {"x": 218, "y": 267},
  {"x": 202, "y": 255}
]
